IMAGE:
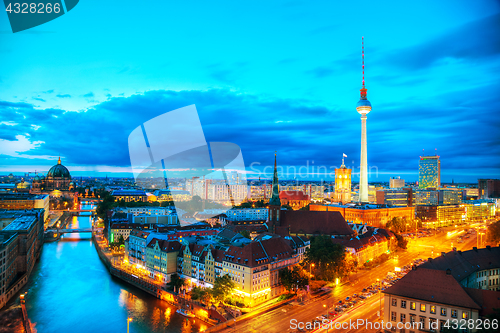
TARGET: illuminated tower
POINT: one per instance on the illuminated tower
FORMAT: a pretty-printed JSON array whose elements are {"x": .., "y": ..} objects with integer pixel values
[
  {"x": 342, "y": 183},
  {"x": 363, "y": 107}
]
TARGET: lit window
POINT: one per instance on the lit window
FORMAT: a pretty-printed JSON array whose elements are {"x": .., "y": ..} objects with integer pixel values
[
  {"x": 443, "y": 311},
  {"x": 422, "y": 307},
  {"x": 413, "y": 305},
  {"x": 433, "y": 309},
  {"x": 454, "y": 313}
]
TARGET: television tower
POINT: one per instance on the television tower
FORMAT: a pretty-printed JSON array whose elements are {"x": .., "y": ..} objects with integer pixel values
[{"x": 363, "y": 107}]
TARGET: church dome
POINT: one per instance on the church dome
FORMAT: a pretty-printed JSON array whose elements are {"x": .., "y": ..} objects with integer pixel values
[
  {"x": 58, "y": 170},
  {"x": 23, "y": 185}
]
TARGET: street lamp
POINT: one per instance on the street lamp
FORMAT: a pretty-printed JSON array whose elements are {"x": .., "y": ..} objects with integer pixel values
[
  {"x": 310, "y": 276},
  {"x": 380, "y": 297},
  {"x": 128, "y": 323}
]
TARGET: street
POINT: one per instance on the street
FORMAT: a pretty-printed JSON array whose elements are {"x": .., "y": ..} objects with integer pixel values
[{"x": 279, "y": 320}]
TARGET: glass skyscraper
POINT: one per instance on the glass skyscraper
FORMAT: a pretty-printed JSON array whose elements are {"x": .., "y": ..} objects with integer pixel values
[{"x": 429, "y": 172}]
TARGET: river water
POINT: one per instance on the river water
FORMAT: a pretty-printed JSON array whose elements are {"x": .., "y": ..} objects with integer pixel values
[{"x": 70, "y": 290}]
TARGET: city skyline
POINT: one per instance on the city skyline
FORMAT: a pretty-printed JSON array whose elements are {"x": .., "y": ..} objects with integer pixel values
[{"x": 428, "y": 82}]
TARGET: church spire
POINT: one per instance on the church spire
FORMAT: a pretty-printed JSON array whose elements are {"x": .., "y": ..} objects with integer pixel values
[
  {"x": 59, "y": 161},
  {"x": 275, "y": 198}
]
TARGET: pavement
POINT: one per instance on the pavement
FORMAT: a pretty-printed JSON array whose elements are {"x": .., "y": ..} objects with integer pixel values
[{"x": 281, "y": 320}]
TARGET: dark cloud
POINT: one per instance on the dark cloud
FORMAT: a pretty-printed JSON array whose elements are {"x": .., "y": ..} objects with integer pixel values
[
  {"x": 475, "y": 40},
  {"x": 462, "y": 128},
  {"x": 63, "y": 95}
]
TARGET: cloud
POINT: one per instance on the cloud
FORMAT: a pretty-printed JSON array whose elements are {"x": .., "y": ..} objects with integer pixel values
[
  {"x": 49, "y": 91},
  {"x": 89, "y": 95},
  {"x": 38, "y": 99},
  {"x": 301, "y": 131},
  {"x": 473, "y": 41},
  {"x": 63, "y": 95}
]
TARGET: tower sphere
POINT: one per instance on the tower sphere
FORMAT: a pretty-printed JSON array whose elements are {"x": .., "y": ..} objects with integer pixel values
[{"x": 363, "y": 106}]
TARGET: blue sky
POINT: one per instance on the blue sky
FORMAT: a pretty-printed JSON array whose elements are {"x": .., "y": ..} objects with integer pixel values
[{"x": 281, "y": 75}]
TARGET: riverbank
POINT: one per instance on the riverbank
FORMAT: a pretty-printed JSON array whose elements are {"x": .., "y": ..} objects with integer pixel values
[{"x": 150, "y": 286}]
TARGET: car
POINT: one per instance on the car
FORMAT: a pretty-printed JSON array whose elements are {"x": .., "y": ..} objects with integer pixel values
[
  {"x": 364, "y": 290},
  {"x": 362, "y": 297},
  {"x": 347, "y": 298}
]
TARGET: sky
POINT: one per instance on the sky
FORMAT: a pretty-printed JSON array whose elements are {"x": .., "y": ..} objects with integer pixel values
[{"x": 278, "y": 76}]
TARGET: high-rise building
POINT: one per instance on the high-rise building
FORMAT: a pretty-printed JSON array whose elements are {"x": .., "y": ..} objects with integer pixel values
[
  {"x": 342, "y": 183},
  {"x": 489, "y": 188},
  {"x": 363, "y": 107},
  {"x": 429, "y": 172},
  {"x": 396, "y": 182}
]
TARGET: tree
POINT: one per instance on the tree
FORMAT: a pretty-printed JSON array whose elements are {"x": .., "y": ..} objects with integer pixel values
[
  {"x": 287, "y": 207},
  {"x": 306, "y": 207},
  {"x": 293, "y": 278},
  {"x": 396, "y": 225},
  {"x": 223, "y": 287},
  {"x": 493, "y": 233},
  {"x": 201, "y": 294},
  {"x": 401, "y": 242},
  {"x": 176, "y": 282},
  {"x": 330, "y": 259},
  {"x": 245, "y": 233}
]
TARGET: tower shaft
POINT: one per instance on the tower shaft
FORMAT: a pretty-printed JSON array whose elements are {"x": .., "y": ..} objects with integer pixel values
[{"x": 363, "y": 167}]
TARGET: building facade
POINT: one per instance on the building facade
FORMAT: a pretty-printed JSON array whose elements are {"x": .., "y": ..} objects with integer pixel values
[
  {"x": 372, "y": 215},
  {"x": 342, "y": 184},
  {"x": 429, "y": 172}
]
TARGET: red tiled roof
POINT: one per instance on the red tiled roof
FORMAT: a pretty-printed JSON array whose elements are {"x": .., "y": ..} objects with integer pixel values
[
  {"x": 433, "y": 286},
  {"x": 165, "y": 246},
  {"x": 293, "y": 195},
  {"x": 258, "y": 253},
  {"x": 488, "y": 299},
  {"x": 313, "y": 222}
]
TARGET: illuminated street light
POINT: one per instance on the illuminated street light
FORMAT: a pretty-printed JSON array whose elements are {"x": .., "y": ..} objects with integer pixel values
[{"x": 128, "y": 323}]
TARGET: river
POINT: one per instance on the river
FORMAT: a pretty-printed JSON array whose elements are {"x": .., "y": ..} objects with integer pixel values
[{"x": 70, "y": 290}]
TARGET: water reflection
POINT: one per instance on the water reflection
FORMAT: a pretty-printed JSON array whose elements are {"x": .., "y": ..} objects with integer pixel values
[{"x": 70, "y": 290}]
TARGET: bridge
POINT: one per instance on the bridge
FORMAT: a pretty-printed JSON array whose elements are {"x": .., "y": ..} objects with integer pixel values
[
  {"x": 70, "y": 231},
  {"x": 72, "y": 210}
]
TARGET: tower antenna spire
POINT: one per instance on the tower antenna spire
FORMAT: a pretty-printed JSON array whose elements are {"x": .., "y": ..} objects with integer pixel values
[
  {"x": 363, "y": 89},
  {"x": 363, "y": 58}
]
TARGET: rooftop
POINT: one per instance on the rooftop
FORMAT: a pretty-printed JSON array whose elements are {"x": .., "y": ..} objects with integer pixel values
[
  {"x": 22, "y": 223},
  {"x": 433, "y": 286}
]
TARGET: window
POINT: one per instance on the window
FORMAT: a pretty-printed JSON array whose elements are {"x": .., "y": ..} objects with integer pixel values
[
  {"x": 465, "y": 315},
  {"x": 454, "y": 313},
  {"x": 432, "y": 324},
  {"x": 393, "y": 316},
  {"x": 422, "y": 307},
  {"x": 403, "y": 318},
  {"x": 441, "y": 325},
  {"x": 412, "y": 318},
  {"x": 413, "y": 305},
  {"x": 394, "y": 302},
  {"x": 422, "y": 322},
  {"x": 403, "y": 304},
  {"x": 443, "y": 311}
]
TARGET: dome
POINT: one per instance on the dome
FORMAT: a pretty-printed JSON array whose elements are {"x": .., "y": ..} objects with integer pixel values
[
  {"x": 36, "y": 179},
  {"x": 59, "y": 170},
  {"x": 363, "y": 106},
  {"x": 363, "y": 102},
  {"x": 23, "y": 185}
]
